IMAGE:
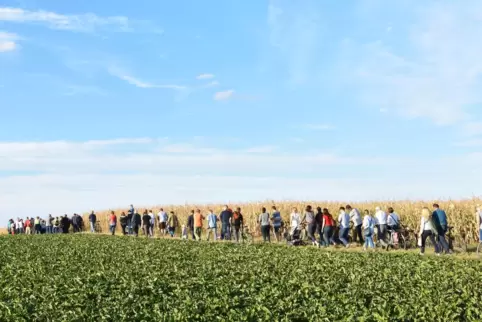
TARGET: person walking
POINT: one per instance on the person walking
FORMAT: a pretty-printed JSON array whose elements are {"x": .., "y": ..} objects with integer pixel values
[
  {"x": 381, "y": 221},
  {"x": 368, "y": 230},
  {"x": 49, "y": 224},
  {"x": 225, "y": 217},
  {"x": 56, "y": 229},
  {"x": 212, "y": 225},
  {"x": 162, "y": 219},
  {"x": 264, "y": 223},
  {"x": 92, "y": 221},
  {"x": 20, "y": 227},
  {"x": 38, "y": 227},
  {"x": 238, "y": 223},
  {"x": 130, "y": 216},
  {"x": 28, "y": 231},
  {"x": 344, "y": 222},
  {"x": 146, "y": 223},
  {"x": 190, "y": 224},
  {"x": 65, "y": 224},
  {"x": 198, "y": 224},
  {"x": 136, "y": 222},
  {"x": 441, "y": 225},
  {"x": 356, "y": 218},
  {"x": 123, "y": 223},
  {"x": 112, "y": 222},
  {"x": 327, "y": 228},
  {"x": 295, "y": 220},
  {"x": 309, "y": 220},
  {"x": 427, "y": 229},
  {"x": 152, "y": 223},
  {"x": 276, "y": 220},
  {"x": 172, "y": 223},
  {"x": 478, "y": 220}
]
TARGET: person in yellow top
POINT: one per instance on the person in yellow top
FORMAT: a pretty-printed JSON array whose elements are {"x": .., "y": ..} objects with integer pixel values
[{"x": 198, "y": 224}]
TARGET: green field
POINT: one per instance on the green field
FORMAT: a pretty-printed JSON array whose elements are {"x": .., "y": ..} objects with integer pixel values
[{"x": 93, "y": 278}]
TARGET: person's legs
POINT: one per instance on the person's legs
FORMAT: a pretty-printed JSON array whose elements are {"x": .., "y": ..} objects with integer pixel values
[
  {"x": 326, "y": 236},
  {"x": 311, "y": 232},
  {"x": 208, "y": 233},
  {"x": 443, "y": 241},
  {"x": 197, "y": 233},
  {"x": 342, "y": 236},
  {"x": 382, "y": 234},
  {"x": 434, "y": 243},
  {"x": 480, "y": 236},
  {"x": 424, "y": 236},
  {"x": 358, "y": 232},
  {"x": 215, "y": 230}
]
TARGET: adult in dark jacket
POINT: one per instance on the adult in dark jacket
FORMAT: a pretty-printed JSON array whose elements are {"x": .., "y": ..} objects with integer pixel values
[
  {"x": 136, "y": 223},
  {"x": 92, "y": 221},
  {"x": 226, "y": 217},
  {"x": 190, "y": 224},
  {"x": 123, "y": 223},
  {"x": 75, "y": 223},
  {"x": 65, "y": 223}
]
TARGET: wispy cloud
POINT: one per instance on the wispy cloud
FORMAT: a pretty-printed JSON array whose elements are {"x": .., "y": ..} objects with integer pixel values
[
  {"x": 7, "y": 41},
  {"x": 83, "y": 22},
  {"x": 433, "y": 71},
  {"x": 73, "y": 90},
  {"x": 140, "y": 83},
  {"x": 205, "y": 76},
  {"x": 223, "y": 95}
]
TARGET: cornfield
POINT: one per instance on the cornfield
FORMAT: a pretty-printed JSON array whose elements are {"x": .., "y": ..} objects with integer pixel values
[{"x": 460, "y": 213}]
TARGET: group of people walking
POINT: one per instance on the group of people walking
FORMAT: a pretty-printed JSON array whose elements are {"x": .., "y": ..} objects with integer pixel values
[
  {"x": 50, "y": 225},
  {"x": 330, "y": 230}
]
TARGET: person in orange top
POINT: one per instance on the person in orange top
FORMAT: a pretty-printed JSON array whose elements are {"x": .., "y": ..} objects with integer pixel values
[
  {"x": 112, "y": 222},
  {"x": 198, "y": 224}
]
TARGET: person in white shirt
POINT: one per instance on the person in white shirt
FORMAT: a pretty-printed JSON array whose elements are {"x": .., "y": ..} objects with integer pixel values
[
  {"x": 381, "y": 219},
  {"x": 295, "y": 220},
  {"x": 479, "y": 222},
  {"x": 344, "y": 221},
  {"x": 355, "y": 217},
  {"x": 393, "y": 221},
  {"x": 368, "y": 230},
  {"x": 19, "y": 226},
  {"x": 426, "y": 230},
  {"x": 161, "y": 216}
]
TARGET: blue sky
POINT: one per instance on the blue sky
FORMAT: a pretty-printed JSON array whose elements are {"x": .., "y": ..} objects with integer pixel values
[{"x": 106, "y": 104}]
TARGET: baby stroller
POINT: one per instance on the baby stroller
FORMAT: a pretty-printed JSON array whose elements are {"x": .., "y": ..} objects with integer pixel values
[{"x": 294, "y": 238}]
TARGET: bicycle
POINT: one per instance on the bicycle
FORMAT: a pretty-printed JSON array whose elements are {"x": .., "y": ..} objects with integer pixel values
[
  {"x": 394, "y": 238},
  {"x": 456, "y": 243},
  {"x": 246, "y": 235}
]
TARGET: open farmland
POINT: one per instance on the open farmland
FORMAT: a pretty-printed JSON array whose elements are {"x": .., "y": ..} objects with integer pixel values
[
  {"x": 96, "y": 277},
  {"x": 461, "y": 213}
]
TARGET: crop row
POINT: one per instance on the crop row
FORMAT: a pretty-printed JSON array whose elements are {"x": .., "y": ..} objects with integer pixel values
[{"x": 92, "y": 278}]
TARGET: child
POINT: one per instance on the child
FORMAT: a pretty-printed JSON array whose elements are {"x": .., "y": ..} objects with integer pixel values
[{"x": 184, "y": 232}]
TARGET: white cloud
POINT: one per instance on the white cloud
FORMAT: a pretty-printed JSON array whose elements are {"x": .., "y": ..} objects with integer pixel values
[
  {"x": 7, "y": 41},
  {"x": 223, "y": 95},
  {"x": 142, "y": 84},
  {"x": 84, "y": 22},
  {"x": 7, "y": 46},
  {"x": 205, "y": 76},
  {"x": 102, "y": 174},
  {"x": 433, "y": 72}
]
